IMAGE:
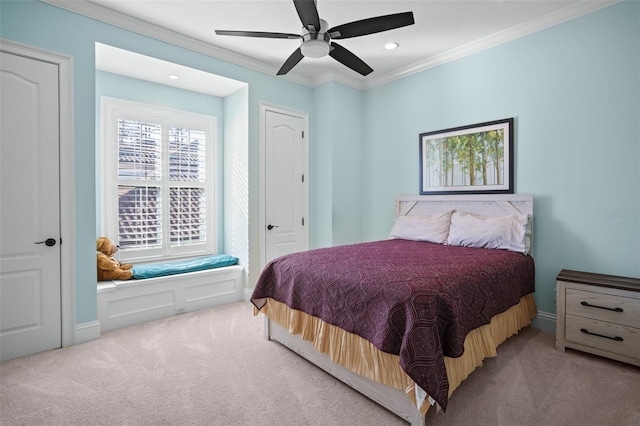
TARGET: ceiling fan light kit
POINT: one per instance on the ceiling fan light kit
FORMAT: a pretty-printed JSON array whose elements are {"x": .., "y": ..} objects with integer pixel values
[
  {"x": 315, "y": 44},
  {"x": 317, "y": 39},
  {"x": 315, "y": 48}
]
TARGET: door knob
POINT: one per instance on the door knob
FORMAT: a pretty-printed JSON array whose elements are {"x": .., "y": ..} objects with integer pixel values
[
  {"x": 49, "y": 242},
  {"x": 270, "y": 227}
]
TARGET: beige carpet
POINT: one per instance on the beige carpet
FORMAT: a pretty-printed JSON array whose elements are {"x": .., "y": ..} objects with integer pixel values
[{"x": 213, "y": 367}]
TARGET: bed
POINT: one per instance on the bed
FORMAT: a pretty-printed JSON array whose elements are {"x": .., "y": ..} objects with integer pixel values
[{"x": 406, "y": 319}]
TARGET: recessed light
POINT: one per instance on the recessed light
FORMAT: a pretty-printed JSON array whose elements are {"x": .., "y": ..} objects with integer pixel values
[
  {"x": 391, "y": 46},
  {"x": 173, "y": 76}
]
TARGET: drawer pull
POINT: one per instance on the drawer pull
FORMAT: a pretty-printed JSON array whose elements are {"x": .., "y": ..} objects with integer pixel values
[
  {"x": 602, "y": 307},
  {"x": 617, "y": 338}
]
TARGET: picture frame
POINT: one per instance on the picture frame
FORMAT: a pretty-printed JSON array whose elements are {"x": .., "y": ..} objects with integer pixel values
[{"x": 476, "y": 158}]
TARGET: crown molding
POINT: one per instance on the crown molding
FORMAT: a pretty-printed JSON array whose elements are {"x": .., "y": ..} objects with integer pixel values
[
  {"x": 565, "y": 14},
  {"x": 109, "y": 16},
  {"x": 355, "y": 83},
  {"x": 121, "y": 20}
]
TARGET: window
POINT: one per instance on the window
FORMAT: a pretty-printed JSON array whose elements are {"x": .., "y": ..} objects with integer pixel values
[{"x": 158, "y": 180}]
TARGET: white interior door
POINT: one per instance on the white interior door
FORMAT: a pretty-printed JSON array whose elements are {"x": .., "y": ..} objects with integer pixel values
[
  {"x": 30, "y": 304},
  {"x": 285, "y": 186}
]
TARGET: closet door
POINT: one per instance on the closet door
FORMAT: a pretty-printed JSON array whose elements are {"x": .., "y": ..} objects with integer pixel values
[
  {"x": 30, "y": 303},
  {"x": 285, "y": 186}
]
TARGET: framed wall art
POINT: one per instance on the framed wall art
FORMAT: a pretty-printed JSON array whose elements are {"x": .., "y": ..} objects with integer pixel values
[{"x": 477, "y": 158}]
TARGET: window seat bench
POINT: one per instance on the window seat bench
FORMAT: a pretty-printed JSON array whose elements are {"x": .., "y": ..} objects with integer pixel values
[{"x": 124, "y": 303}]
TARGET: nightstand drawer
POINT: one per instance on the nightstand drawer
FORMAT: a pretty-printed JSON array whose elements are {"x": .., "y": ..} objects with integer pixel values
[
  {"x": 603, "y": 335},
  {"x": 603, "y": 307}
]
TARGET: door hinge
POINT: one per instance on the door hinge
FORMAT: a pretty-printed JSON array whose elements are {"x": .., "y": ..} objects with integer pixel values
[
  {"x": 302, "y": 178},
  {"x": 303, "y": 221},
  {"x": 303, "y": 134}
]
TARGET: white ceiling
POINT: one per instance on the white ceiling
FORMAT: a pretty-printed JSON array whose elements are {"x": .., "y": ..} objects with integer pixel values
[{"x": 444, "y": 30}]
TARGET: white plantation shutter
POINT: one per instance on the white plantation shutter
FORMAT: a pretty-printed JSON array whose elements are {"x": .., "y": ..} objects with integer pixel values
[
  {"x": 187, "y": 176},
  {"x": 139, "y": 206},
  {"x": 187, "y": 216},
  {"x": 140, "y": 218},
  {"x": 187, "y": 150},
  {"x": 162, "y": 179},
  {"x": 139, "y": 150}
]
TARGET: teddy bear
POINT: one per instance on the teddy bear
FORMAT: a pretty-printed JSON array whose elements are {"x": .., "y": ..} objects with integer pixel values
[{"x": 108, "y": 267}]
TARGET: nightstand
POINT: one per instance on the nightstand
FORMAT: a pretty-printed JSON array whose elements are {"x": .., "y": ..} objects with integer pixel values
[{"x": 599, "y": 314}]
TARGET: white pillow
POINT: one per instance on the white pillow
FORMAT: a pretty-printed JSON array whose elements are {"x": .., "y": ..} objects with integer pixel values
[
  {"x": 433, "y": 228},
  {"x": 499, "y": 232}
]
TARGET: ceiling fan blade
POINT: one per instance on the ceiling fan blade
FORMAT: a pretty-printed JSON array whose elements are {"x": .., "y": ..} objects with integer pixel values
[
  {"x": 372, "y": 25},
  {"x": 291, "y": 61},
  {"x": 347, "y": 58},
  {"x": 308, "y": 13},
  {"x": 256, "y": 34}
]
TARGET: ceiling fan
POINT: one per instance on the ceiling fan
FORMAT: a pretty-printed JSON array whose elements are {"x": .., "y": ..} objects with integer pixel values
[{"x": 317, "y": 40}]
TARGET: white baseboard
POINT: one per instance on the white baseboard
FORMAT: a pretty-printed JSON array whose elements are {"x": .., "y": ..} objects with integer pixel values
[
  {"x": 87, "y": 332},
  {"x": 545, "y": 321},
  {"x": 124, "y": 303}
]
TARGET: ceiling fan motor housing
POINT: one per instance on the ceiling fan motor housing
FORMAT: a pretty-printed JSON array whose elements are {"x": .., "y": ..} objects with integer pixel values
[{"x": 316, "y": 44}]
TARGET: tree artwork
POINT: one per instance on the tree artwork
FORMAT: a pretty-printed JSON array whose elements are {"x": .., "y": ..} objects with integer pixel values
[{"x": 466, "y": 159}]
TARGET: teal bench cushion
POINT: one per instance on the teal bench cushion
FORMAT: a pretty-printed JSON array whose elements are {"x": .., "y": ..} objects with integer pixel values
[{"x": 154, "y": 270}]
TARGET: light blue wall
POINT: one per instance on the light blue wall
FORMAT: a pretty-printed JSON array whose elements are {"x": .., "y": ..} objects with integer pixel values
[
  {"x": 135, "y": 90},
  {"x": 321, "y": 169},
  {"x": 574, "y": 91},
  {"x": 337, "y": 166},
  {"x": 48, "y": 27}
]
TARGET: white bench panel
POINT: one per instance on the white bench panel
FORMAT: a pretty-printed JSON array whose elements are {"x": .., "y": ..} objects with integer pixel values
[{"x": 124, "y": 303}]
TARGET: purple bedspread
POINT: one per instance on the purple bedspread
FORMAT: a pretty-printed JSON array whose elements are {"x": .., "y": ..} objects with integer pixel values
[{"x": 413, "y": 299}]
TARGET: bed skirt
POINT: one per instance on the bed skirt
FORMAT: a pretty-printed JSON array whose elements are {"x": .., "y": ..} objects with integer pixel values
[{"x": 361, "y": 357}]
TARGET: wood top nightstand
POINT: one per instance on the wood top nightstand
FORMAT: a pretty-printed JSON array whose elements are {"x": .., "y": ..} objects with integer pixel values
[{"x": 599, "y": 314}]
